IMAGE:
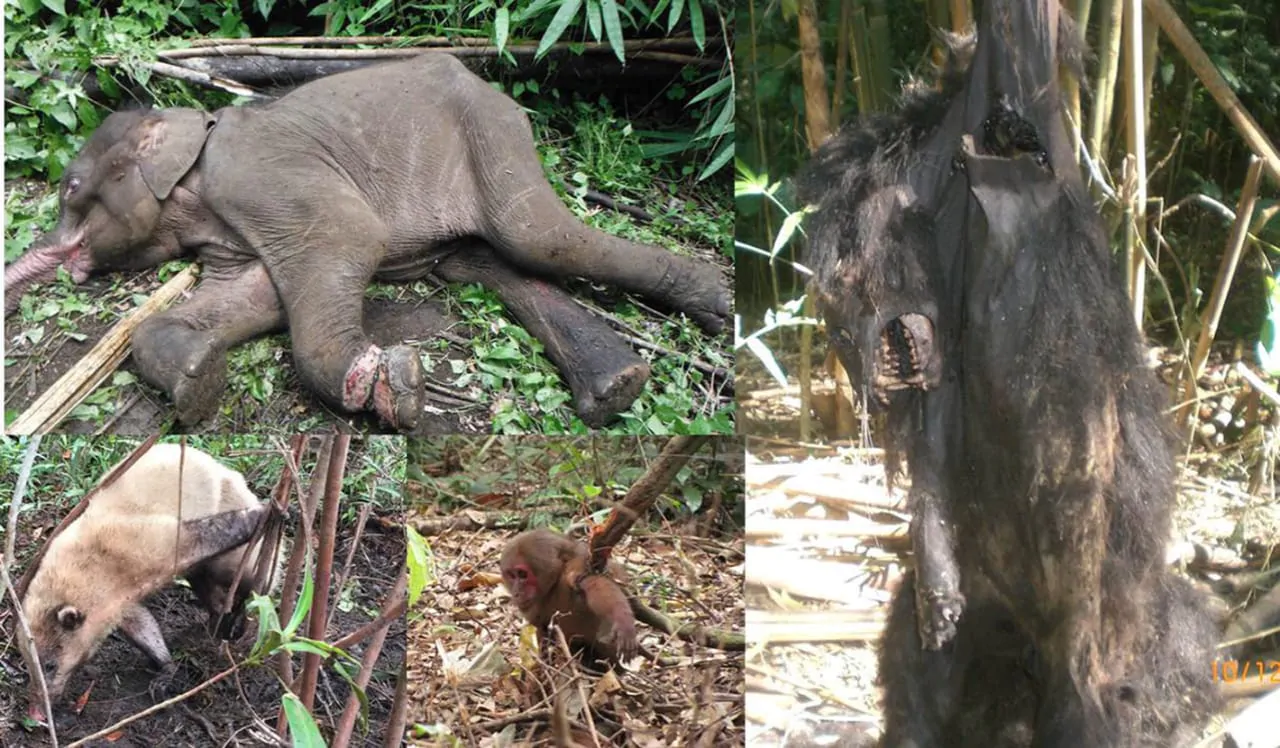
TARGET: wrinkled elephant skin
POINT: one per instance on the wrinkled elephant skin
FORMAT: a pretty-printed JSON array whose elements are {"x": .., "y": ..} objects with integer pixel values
[{"x": 292, "y": 208}]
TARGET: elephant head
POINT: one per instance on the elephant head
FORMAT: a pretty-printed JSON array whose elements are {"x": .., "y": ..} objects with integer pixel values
[{"x": 117, "y": 206}]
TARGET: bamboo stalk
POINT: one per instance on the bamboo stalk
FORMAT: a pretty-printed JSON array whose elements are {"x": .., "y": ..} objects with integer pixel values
[
  {"x": 860, "y": 62},
  {"x": 90, "y": 371},
  {"x": 961, "y": 16},
  {"x": 1217, "y": 86},
  {"x": 1104, "y": 86},
  {"x": 817, "y": 129},
  {"x": 1071, "y": 85},
  {"x": 232, "y": 47},
  {"x": 1227, "y": 271},
  {"x": 1136, "y": 142}
]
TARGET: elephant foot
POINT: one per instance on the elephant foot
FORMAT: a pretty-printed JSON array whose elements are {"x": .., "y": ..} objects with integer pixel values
[
  {"x": 390, "y": 382},
  {"x": 703, "y": 296},
  {"x": 188, "y": 365},
  {"x": 197, "y": 398},
  {"x": 608, "y": 395}
]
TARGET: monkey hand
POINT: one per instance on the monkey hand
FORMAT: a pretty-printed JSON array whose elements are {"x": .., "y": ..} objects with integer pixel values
[{"x": 624, "y": 637}]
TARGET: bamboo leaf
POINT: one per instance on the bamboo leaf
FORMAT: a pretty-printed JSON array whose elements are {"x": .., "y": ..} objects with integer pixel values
[
  {"x": 613, "y": 28},
  {"x": 593, "y": 18},
  {"x": 698, "y": 24},
  {"x": 568, "y": 11},
  {"x": 501, "y": 27}
]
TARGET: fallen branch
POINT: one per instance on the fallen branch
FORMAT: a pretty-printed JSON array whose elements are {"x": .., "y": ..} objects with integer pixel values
[
  {"x": 202, "y": 47},
  {"x": 394, "y": 601},
  {"x": 73, "y": 387},
  {"x": 728, "y": 641}
]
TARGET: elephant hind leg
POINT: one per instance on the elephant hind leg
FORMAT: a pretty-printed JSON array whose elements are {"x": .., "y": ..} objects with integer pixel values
[
  {"x": 528, "y": 224},
  {"x": 603, "y": 373},
  {"x": 183, "y": 350}
]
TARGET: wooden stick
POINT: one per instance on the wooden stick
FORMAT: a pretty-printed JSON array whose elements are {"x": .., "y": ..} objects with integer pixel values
[{"x": 73, "y": 387}]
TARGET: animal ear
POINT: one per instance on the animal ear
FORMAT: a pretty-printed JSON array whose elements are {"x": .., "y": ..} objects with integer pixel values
[
  {"x": 70, "y": 617},
  {"x": 170, "y": 144}
]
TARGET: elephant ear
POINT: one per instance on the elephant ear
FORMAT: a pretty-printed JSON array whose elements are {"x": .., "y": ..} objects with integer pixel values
[{"x": 170, "y": 144}]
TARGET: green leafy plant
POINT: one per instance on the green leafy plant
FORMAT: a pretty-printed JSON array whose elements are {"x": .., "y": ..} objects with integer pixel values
[
  {"x": 272, "y": 638},
  {"x": 790, "y": 313}
]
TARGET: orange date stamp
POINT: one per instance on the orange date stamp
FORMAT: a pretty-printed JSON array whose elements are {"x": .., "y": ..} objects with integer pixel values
[{"x": 1237, "y": 671}]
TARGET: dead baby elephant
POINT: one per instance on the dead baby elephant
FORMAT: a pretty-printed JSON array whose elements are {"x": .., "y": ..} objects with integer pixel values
[{"x": 388, "y": 172}]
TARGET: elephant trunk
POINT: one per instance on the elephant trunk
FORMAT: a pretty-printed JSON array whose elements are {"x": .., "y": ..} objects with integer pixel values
[{"x": 41, "y": 263}]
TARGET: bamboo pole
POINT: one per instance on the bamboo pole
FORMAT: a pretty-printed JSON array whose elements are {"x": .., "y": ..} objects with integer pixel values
[
  {"x": 1136, "y": 141},
  {"x": 1227, "y": 271},
  {"x": 90, "y": 371},
  {"x": 817, "y": 129},
  {"x": 1104, "y": 86}
]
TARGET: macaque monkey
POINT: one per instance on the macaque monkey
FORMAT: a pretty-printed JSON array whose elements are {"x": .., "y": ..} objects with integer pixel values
[
  {"x": 131, "y": 540},
  {"x": 546, "y": 575}
]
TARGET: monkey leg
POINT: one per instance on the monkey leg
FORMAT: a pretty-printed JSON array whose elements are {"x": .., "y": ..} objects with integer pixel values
[
  {"x": 603, "y": 373},
  {"x": 921, "y": 691},
  {"x": 1070, "y": 533},
  {"x": 979, "y": 691}
]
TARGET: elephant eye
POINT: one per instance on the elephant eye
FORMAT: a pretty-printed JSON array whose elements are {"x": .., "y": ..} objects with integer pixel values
[{"x": 73, "y": 184}]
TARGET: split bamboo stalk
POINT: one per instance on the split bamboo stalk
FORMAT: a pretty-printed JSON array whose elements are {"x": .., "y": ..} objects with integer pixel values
[{"x": 90, "y": 371}]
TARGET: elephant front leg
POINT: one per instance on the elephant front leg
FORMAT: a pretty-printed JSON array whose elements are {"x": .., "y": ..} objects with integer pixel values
[
  {"x": 323, "y": 294},
  {"x": 184, "y": 350},
  {"x": 603, "y": 373}
]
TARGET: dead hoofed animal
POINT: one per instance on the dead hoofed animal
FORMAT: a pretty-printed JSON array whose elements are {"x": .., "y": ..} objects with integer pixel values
[
  {"x": 129, "y": 542},
  {"x": 389, "y": 172},
  {"x": 965, "y": 279}
]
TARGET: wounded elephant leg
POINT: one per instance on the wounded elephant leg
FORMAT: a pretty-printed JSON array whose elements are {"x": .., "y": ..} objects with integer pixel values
[
  {"x": 603, "y": 373},
  {"x": 183, "y": 350},
  {"x": 324, "y": 300}
]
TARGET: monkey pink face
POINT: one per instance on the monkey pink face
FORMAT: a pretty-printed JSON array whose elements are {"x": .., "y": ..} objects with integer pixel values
[{"x": 521, "y": 583}]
